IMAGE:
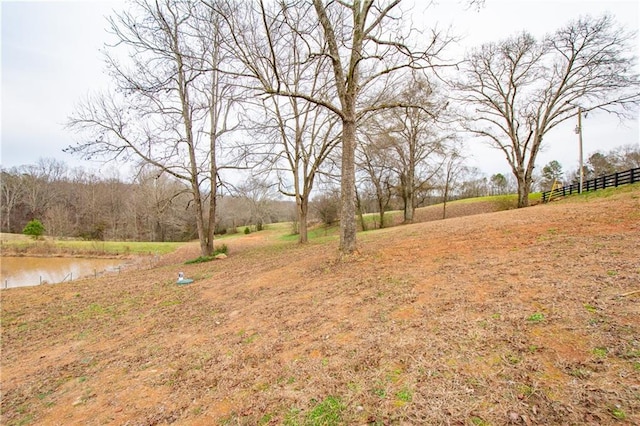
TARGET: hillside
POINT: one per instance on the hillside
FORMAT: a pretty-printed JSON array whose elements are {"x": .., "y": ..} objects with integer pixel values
[{"x": 527, "y": 316}]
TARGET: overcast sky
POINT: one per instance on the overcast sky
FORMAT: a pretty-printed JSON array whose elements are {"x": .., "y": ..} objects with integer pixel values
[{"x": 51, "y": 58}]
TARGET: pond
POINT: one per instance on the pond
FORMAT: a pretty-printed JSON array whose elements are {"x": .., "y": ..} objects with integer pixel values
[{"x": 30, "y": 271}]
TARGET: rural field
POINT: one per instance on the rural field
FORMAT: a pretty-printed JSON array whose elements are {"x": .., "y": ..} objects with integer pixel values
[{"x": 528, "y": 316}]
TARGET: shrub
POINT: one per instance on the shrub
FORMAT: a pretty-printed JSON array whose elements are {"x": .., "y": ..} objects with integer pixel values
[
  {"x": 327, "y": 208},
  {"x": 247, "y": 230},
  {"x": 222, "y": 249},
  {"x": 34, "y": 228},
  {"x": 200, "y": 259}
]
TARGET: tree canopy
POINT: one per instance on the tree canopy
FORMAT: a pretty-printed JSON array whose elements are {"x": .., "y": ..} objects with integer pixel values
[{"x": 519, "y": 89}]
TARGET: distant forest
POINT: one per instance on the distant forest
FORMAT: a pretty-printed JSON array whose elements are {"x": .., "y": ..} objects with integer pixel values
[
  {"x": 73, "y": 202},
  {"x": 151, "y": 207}
]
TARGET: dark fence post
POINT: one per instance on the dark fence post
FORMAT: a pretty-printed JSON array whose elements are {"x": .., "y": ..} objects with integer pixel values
[{"x": 615, "y": 180}]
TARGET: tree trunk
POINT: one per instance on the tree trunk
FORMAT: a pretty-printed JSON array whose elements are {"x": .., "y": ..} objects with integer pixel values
[
  {"x": 214, "y": 118},
  {"x": 363, "y": 224},
  {"x": 157, "y": 232},
  {"x": 444, "y": 201},
  {"x": 523, "y": 192},
  {"x": 446, "y": 191},
  {"x": 347, "y": 85},
  {"x": 204, "y": 250},
  {"x": 407, "y": 197},
  {"x": 348, "y": 187},
  {"x": 303, "y": 212},
  {"x": 381, "y": 204},
  {"x": 409, "y": 208},
  {"x": 211, "y": 227}
]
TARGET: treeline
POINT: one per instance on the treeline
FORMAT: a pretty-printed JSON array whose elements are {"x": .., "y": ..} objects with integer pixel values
[
  {"x": 150, "y": 207},
  {"x": 153, "y": 206}
]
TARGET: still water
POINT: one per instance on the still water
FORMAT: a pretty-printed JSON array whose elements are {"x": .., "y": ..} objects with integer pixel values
[{"x": 29, "y": 271}]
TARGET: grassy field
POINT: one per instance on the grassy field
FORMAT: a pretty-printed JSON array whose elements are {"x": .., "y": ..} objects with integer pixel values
[
  {"x": 457, "y": 208},
  {"x": 603, "y": 193},
  {"x": 20, "y": 244},
  {"x": 525, "y": 316}
]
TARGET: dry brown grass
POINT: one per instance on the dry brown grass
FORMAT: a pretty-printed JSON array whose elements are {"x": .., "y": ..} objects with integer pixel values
[{"x": 508, "y": 317}]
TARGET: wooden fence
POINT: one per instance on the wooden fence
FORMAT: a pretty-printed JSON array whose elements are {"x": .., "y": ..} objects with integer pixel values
[{"x": 607, "y": 181}]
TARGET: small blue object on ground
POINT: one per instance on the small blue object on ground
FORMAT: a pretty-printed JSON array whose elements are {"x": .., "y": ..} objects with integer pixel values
[{"x": 182, "y": 280}]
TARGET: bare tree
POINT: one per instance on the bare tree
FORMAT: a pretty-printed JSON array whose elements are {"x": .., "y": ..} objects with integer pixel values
[
  {"x": 627, "y": 157},
  {"x": 418, "y": 142},
  {"x": 369, "y": 48},
  {"x": 292, "y": 137},
  {"x": 518, "y": 89},
  {"x": 38, "y": 193},
  {"x": 375, "y": 158},
  {"x": 307, "y": 137},
  {"x": 159, "y": 205},
  {"x": 454, "y": 168},
  {"x": 474, "y": 184},
  {"x": 498, "y": 183},
  {"x": 12, "y": 192},
  {"x": 172, "y": 104},
  {"x": 258, "y": 196}
]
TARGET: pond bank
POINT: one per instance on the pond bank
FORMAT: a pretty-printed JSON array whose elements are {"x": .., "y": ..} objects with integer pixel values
[{"x": 22, "y": 271}]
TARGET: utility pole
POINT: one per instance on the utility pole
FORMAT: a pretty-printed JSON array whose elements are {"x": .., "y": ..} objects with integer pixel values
[{"x": 579, "y": 132}]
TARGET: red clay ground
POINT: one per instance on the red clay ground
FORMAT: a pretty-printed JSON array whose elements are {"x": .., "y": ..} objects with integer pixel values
[{"x": 527, "y": 316}]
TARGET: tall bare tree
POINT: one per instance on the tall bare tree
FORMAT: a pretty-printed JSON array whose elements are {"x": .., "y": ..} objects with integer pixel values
[
  {"x": 519, "y": 89},
  {"x": 370, "y": 48},
  {"x": 172, "y": 102},
  {"x": 257, "y": 196},
  {"x": 418, "y": 141},
  {"x": 36, "y": 181},
  {"x": 11, "y": 192},
  {"x": 292, "y": 137},
  {"x": 454, "y": 168},
  {"x": 158, "y": 208},
  {"x": 305, "y": 135},
  {"x": 375, "y": 158}
]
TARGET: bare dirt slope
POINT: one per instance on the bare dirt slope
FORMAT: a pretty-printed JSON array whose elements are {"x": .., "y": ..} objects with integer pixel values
[{"x": 527, "y": 316}]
